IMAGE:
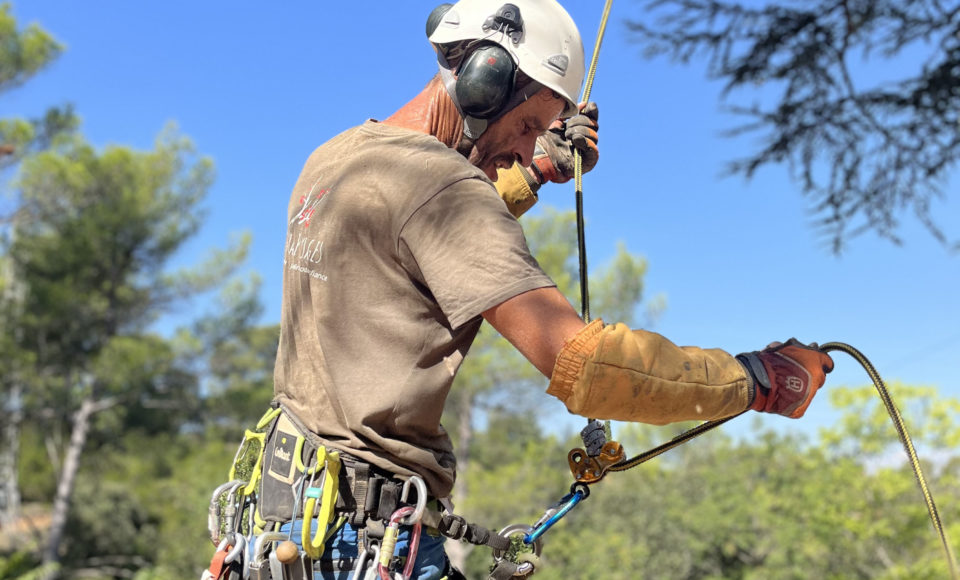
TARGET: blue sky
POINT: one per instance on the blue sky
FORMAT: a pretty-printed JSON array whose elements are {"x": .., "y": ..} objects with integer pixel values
[{"x": 257, "y": 86}]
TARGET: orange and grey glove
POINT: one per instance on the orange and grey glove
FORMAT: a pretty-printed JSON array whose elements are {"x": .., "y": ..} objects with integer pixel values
[
  {"x": 553, "y": 155},
  {"x": 786, "y": 376}
]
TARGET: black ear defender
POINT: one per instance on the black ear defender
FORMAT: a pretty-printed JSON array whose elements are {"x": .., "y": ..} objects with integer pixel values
[{"x": 485, "y": 79}]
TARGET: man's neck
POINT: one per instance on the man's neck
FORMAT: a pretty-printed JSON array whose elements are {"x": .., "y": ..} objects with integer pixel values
[{"x": 431, "y": 112}]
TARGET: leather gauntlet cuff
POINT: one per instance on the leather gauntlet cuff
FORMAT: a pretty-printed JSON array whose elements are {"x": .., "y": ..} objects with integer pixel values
[
  {"x": 517, "y": 188},
  {"x": 612, "y": 372}
]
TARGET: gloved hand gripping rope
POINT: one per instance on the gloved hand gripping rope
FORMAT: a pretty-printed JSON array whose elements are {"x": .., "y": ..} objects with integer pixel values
[{"x": 770, "y": 397}]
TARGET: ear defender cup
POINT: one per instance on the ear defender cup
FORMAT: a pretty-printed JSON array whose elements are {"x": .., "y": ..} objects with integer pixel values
[{"x": 485, "y": 81}]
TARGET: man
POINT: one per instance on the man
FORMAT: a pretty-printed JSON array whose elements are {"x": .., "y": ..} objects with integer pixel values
[{"x": 399, "y": 247}]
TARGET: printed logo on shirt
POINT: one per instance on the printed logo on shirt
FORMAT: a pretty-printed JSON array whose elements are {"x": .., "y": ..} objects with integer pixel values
[
  {"x": 306, "y": 252},
  {"x": 309, "y": 203}
]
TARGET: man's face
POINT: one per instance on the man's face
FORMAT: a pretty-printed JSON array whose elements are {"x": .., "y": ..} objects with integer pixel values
[{"x": 513, "y": 136}]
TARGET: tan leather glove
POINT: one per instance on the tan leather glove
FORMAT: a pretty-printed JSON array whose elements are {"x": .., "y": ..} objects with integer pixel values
[
  {"x": 518, "y": 189},
  {"x": 613, "y": 372}
]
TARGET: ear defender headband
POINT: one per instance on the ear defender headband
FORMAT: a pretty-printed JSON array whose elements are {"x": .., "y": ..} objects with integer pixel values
[{"x": 483, "y": 88}]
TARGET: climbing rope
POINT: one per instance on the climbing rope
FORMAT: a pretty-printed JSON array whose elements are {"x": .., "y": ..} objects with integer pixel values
[
  {"x": 892, "y": 410},
  {"x": 596, "y": 432},
  {"x": 907, "y": 446},
  {"x": 578, "y": 169}
]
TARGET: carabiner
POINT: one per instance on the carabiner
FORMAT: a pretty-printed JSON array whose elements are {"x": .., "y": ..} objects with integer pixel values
[
  {"x": 238, "y": 543},
  {"x": 214, "y": 522},
  {"x": 360, "y": 570},
  {"x": 417, "y": 514},
  {"x": 259, "y": 551},
  {"x": 526, "y": 561},
  {"x": 327, "y": 496},
  {"x": 389, "y": 546},
  {"x": 578, "y": 492}
]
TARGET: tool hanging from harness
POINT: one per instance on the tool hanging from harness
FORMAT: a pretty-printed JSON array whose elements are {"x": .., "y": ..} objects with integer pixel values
[{"x": 282, "y": 474}]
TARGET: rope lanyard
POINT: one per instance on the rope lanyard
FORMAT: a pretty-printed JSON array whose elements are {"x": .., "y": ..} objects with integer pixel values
[{"x": 891, "y": 410}]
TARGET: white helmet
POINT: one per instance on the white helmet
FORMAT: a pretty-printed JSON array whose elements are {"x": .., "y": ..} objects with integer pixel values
[{"x": 540, "y": 37}]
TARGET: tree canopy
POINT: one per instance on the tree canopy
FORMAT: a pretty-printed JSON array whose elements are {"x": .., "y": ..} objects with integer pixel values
[{"x": 865, "y": 146}]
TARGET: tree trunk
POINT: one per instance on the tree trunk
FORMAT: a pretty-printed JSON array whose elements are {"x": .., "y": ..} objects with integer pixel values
[
  {"x": 9, "y": 457},
  {"x": 458, "y": 551},
  {"x": 68, "y": 475}
]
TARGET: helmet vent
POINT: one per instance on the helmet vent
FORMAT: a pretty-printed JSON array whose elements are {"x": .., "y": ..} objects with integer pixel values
[
  {"x": 451, "y": 19},
  {"x": 557, "y": 63}
]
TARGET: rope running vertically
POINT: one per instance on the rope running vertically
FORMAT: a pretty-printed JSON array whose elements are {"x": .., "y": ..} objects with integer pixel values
[{"x": 578, "y": 170}]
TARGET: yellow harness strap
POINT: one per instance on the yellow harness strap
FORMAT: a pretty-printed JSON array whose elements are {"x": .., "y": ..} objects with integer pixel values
[{"x": 327, "y": 494}]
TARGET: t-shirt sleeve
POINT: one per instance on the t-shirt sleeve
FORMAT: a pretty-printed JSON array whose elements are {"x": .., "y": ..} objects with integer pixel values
[{"x": 467, "y": 249}]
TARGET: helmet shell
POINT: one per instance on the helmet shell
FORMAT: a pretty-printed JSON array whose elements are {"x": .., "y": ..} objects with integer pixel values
[{"x": 549, "y": 50}]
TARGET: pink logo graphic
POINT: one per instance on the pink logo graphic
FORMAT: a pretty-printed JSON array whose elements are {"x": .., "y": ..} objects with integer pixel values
[{"x": 309, "y": 204}]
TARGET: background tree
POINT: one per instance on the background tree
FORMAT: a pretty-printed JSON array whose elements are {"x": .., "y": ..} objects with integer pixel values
[
  {"x": 236, "y": 358},
  {"x": 863, "y": 146},
  {"x": 90, "y": 246},
  {"x": 23, "y": 53}
]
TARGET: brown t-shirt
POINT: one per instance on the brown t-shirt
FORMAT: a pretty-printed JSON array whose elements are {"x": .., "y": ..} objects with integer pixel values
[{"x": 395, "y": 246}]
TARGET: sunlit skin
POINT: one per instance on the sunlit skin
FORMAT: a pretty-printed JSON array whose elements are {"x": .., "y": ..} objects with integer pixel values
[
  {"x": 510, "y": 138},
  {"x": 539, "y": 322},
  {"x": 513, "y": 136}
]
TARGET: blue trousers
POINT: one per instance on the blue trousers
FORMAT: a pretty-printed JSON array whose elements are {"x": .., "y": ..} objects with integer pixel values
[{"x": 431, "y": 562}]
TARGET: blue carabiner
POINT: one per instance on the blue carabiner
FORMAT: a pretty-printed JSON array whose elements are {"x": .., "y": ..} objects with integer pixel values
[{"x": 578, "y": 492}]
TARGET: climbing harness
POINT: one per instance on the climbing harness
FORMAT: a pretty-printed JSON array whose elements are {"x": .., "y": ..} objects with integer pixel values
[
  {"x": 277, "y": 469},
  {"x": 280, "y": 467}
]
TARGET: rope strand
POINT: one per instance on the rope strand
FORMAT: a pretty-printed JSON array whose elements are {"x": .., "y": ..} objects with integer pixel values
[
  {"x": 578, "y": 169},
  {"x": 897, "y": 423}
]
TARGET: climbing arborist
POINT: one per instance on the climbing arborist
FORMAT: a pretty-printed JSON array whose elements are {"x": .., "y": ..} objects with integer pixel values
[{"x": 398, "y": 248}]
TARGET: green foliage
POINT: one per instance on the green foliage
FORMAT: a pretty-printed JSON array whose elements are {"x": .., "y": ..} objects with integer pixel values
[
  {"x": 36, "y": 475},
  {"x": 22, "y": 52},
  {"x": 239, "y": 357},
  {"x": 867, "y": 139},
  {"x": 867, "y": 429},
  {"x": 94, "y": 237},
  {"x": 141, "y": 506}
]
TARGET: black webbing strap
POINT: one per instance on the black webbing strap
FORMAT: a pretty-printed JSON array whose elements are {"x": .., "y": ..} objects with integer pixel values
[
  {"x": 361, "y": 474},
  {"x": 457, "y": 528}
]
